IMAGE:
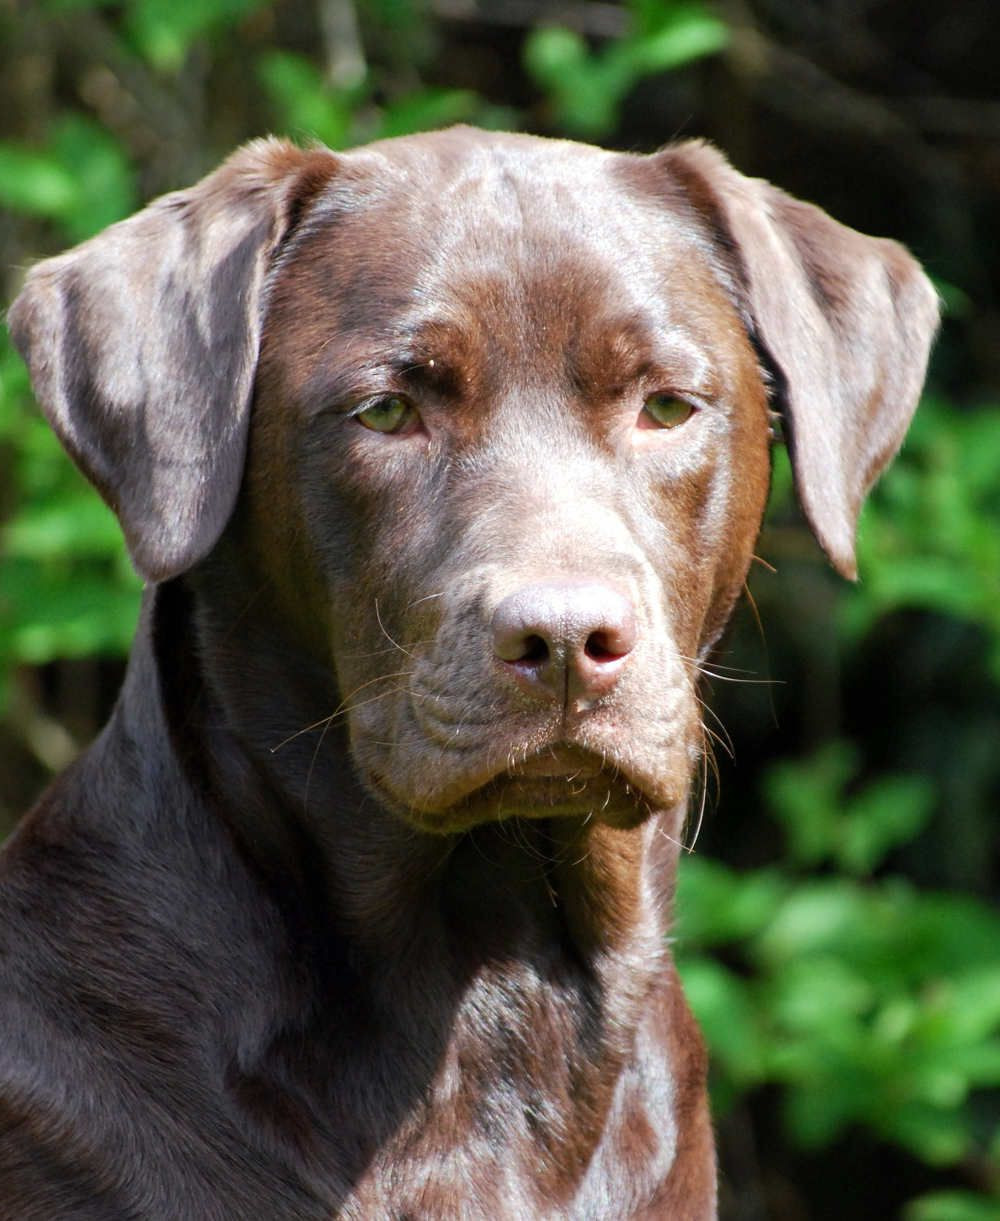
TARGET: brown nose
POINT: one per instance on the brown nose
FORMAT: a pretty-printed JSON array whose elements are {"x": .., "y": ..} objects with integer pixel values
[{"x": 566, "y": 640}]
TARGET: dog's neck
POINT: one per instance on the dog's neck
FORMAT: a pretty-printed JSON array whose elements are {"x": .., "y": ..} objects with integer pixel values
[{"x": 527, "y": 911}]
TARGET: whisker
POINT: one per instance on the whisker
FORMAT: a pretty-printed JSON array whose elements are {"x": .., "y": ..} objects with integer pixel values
[
  {"x": 342, "y": 711},
  {"x": 425, "y": 598},
  {"x": 386, "y": 634},
  {"x": 763, "y": 641},
  {"x": 670, "y": 839},
  {"x": 519, "y": 837},
  {"x": 751, "y": 682},
  {"x": 722, "y": 737},
  {"x": 312, "y": 763},
  {"x": 734, "y": 674},
  {"x": 701, "y": 804},
  {"x": 416, "y": 644},
  {"x": 342, "y": 707},
  {"x": 718, "y": 665}
]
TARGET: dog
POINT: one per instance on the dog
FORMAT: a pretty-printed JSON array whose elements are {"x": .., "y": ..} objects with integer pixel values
[{"x": 443, "y": 460}]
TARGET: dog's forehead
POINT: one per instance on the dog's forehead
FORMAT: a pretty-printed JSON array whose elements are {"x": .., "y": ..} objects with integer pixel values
[
  {"x": 462, "y": 243},
  {"x": 420, "y": 217},
  {"x": 443, "y": 173}
]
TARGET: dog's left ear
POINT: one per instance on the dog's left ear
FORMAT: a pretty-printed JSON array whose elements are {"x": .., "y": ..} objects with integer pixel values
[
  {"x": 142, "y": 345},
  {"x": 845, "y": 320}
]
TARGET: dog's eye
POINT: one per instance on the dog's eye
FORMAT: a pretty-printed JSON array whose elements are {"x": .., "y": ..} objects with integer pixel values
[
  {"x": 666, "y": 411},
  {"x": 390, "y": 414}
]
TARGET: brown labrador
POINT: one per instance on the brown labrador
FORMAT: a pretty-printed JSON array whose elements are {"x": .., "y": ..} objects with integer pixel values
[{"x": 444, "y": 461}]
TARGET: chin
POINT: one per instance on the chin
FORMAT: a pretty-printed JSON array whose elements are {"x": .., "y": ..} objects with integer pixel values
[{"x": 554, "y": 784}]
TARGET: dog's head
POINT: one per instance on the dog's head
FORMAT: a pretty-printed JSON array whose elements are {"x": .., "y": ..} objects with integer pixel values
[{"x": 508, "y": 452}]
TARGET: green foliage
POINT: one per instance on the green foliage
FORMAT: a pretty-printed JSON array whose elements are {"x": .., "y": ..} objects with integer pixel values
[
  {"x": 80, "y": 178},
  {"x": 66, "y": 588},
  {"x": 870, "y": 1004},
  {"x": 823, "y": 824},
  {"x": 340, "y": 118},
  {"x": 426, "y": 109},
  {"x": 931, "y": 537},
  {"x": 867, "y": 1001},
  {"x": 306, "y": 106},
  {"x": 162, "y": 31},
  {"x": 953, "y": 1206},
  {"x": 585, "y": 88}
]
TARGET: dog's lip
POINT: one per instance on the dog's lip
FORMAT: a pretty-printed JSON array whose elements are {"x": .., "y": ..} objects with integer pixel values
[
  {"x": 556, "y": 781},
  {"x": 553, "y": 779},
  {"x": 558, "y": 762},
  {"x": 533, "y": 779}
]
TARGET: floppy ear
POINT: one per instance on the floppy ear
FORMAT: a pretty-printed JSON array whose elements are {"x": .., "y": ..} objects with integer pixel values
[
  {"x": 142, "y": 345},
  {"x": 845, "y": 321}
]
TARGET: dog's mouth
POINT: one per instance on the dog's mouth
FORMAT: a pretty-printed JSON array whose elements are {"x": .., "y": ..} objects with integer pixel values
[
  {"x": 557, "y": 781},
  {"x": 568, "y": 763}
]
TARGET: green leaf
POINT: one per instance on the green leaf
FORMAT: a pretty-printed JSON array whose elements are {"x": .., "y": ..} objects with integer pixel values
[
  {"x": 164, "y": 30},
  {"x": 35, "y": 183},
  {"x": 822, "y": 823},
  {"x": 687, "y": 35},
  {"x": 817, "y": 917},
  {"x": 805, "y": 797},
  {"x": 880, "y": 817},
  {"x": 930, "y": 534},
  {"x": 15, "y": 390},
  {"x": 949, "y": 934},
  {"x": 49, "y": 611},
  {"x": 586, "y": 89},
  {"x": 714, "y": 904},
  {"x": 973, "y": 1000},
  {"x": 818, "y": 993},
  {"x": 82, "y": 179},
  {"x": 953, "y": 1206},
  {"x": 78, "y": 525},
  {"x": 69, "y": 6},
  {"x": 956, "y": 301},
  {"x": 104, "y": 180},
  {"x": 721, "y": 1002},
  {"x": 938, "y": 1136},
  {"x": 427, "y": 109},
  {"x": 815, "y": 1114},
  {"x": 305, "y": 104},
  {"x": 552, "y": 55}
]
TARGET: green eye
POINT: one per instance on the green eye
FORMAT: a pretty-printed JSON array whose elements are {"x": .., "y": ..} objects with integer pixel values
[
  {"x": 667, "y": 411},
  {"x": 389, "y": 414}
]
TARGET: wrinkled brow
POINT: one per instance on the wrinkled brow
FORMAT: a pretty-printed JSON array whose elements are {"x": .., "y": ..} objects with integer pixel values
[
  {"x": 432, "y": 354},
  {"x": 608, "y": 357}
]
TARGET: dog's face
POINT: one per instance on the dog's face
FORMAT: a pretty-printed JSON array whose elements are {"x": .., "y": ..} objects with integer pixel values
[
  {"x": 547, "y": 398},
  {"x": 509, "y": 444}
]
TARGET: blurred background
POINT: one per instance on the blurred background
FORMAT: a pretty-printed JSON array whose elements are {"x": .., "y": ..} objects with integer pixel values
[{"x": 837, "y": 925}]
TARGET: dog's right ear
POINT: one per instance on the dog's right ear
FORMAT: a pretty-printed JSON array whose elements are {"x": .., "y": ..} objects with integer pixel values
[
  {"x": 844, "y": 321},
  {"x": 142, "y": 345}
]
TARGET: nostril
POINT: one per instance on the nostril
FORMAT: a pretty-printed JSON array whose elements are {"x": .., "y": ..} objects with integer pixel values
[
  {"x": 536, "y": 650},
  {"x": 615, "y": 634},
  {"x": 516, "y": 643},
  {"x": 600, "y": 648}
]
